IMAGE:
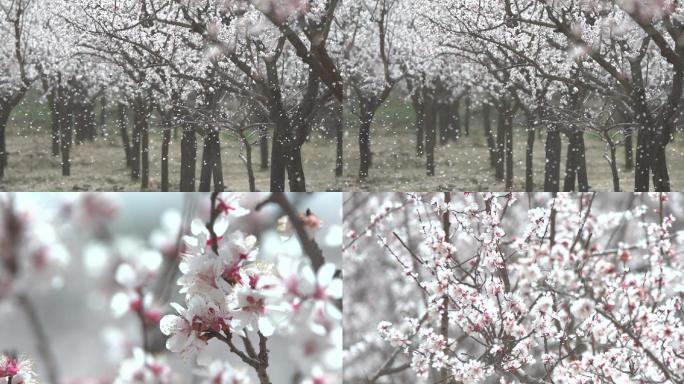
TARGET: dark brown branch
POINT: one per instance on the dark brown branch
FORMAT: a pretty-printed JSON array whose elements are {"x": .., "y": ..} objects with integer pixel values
[{"x": 311, "y": 248}]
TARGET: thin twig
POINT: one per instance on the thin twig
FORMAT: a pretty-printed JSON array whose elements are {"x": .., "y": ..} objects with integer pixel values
[{"x": 42, "y": 341}]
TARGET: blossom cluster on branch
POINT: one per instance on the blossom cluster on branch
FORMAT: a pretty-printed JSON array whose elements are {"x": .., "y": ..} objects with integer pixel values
[{"x": 231, "y": 291}]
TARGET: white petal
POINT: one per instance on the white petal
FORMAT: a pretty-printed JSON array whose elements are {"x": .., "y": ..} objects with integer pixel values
[
  {"x": 239, "y": 211},
  {"x": 325, "y": 274},
  {"x": 308, "y": 275},
  {"x": 197, "y": 227},
  {"x": 177, "y": 342},
  {"x": 221, "y": 225},
  {"x": 265, "y": 326},
  {"x": 334, "y": 289},
  {"x": 332, "y": 359},
  {"x": 191, "y": 241},
  {"x": 170, "y": 324}
]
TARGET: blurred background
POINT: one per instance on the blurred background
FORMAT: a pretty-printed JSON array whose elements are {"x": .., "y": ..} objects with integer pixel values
[{"x": 74, "y": 303}]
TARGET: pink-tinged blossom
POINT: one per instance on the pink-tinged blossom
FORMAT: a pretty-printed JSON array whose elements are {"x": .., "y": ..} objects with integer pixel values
[
  {"x": 257, "y": 305},
  {"x": 187, "y": 330},
  {"x": 144, "y": 368},
  {"x": 231, "y": 290},
  {"x": 230, "y": 204},
  {"x": 222, "y": 372},
  {"x": 319, "y": 376},
  {"x": 16, "y": 370}
]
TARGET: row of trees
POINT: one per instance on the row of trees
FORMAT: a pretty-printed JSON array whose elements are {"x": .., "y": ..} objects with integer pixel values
[
  {"x": 251, "y": 71},
  {"x": 609, "y": 69}
]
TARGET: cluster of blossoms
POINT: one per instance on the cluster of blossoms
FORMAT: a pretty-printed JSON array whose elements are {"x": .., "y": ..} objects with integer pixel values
[
  {"x": 230, "y": 289},
  {"x": 16, "y": 370},
  {"x": 530, "y": 288}
]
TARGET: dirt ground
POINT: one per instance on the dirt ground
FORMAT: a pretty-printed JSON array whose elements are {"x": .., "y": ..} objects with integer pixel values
[{"x": 463, "y": 165}]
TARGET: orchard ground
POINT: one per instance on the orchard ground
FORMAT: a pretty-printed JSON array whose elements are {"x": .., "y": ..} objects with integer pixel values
[{"x": 462, "y": 165}]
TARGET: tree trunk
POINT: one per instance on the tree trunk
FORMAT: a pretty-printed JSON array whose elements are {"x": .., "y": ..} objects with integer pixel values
[
  {"x": 581, "y": 160},
  {"x": 263, "y": 148},
  {"x": 500, "y": 145},
  {"x": 295, "y": 170},
  {"x": 529, "y": 153},
  {"x": 491, "y": 145},
  {"x": 339, "y": 138},
  {"x": 54, "y": 113},
  {"x": 248, "y": 163},
  {"x": 430, "y": 136},
  {"x": 278, "y": 163},
  {"x": 661, "y": 177},
  {"x": 141, "y": 148},
  {"x": 612, "y": 160},
  {"x": 145, "y": 152},
  {"x": 89, "y": 118},
  {"x": 466, "y": 116},
  {"x": 364, "y": 141},
  {"x": 135, "y": 148},
  {"x": 509, "y": 150},
  {"x": 553, "y": 158},
  {"x": 103, "y": 116},
  {"x": 124, "y": 135},
  {"x": 166, "y": 140},
  {"x": 217, "y": 166},
  {"x": 446, "y": 120},
  {"x": 419, "y": 107},
  {"x": 645, "y": 138},
  {"x": 188, "y": 159},
  {"x": 4, "y": 118},
  {"x": 205, "y": 166},
  {"x": 570, "y": 165},
  {"x": 642, "y": 165},
  {"x": 78, "y": 118},
  {"x": 65, "y": 132},
  {"x": 629, "y": 152},
  {"x": 456, "y": 120}
]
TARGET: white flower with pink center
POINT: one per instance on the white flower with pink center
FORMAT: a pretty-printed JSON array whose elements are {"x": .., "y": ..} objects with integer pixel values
[
  {"x": 257, "y": 304},
  {"x": 229, "y": 204},
  {"x": 16, "y": 370},
  {"x": 186, "y": 330},
  {"x": 203, "y": 274}
]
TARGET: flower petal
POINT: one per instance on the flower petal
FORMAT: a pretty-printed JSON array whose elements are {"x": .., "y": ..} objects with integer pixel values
[
  {"x": 265, "y": 326},
  {"x": 325, "y": 274}
]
